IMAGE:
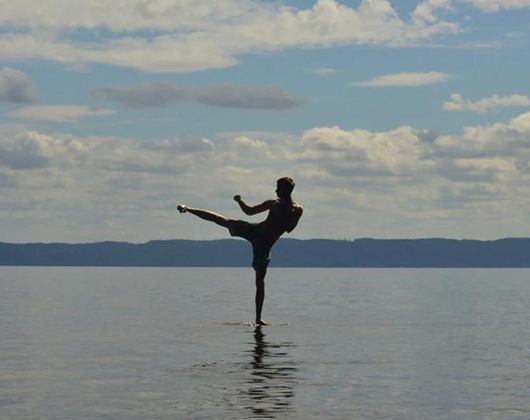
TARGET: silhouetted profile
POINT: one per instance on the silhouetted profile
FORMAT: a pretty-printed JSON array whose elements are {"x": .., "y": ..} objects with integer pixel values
[{"x": 283, "y": 217}]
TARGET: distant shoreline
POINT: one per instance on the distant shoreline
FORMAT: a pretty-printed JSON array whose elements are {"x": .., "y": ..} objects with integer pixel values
[{"x": 361, "y": 253}]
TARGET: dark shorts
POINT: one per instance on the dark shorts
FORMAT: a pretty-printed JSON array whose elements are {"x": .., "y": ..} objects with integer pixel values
[{"x": 252, "y": 232}]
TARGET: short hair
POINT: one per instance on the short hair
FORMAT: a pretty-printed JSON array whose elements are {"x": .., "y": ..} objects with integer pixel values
[{"x": 287, "y": 183}]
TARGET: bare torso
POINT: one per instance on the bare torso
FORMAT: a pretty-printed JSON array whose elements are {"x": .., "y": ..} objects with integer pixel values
[{"x": 282, "y": 217}]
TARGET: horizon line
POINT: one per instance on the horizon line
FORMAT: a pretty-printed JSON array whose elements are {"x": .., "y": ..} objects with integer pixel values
[{"x": 281, "y": 239}]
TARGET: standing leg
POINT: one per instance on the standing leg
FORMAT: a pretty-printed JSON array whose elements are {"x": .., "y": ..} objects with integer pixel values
[
  {"x": 205, "y": 215},
  {"x": 260, "y": 293}
]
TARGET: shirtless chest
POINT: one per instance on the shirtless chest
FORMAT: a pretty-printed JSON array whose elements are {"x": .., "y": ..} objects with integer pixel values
[{"x": 281, "y": 215}]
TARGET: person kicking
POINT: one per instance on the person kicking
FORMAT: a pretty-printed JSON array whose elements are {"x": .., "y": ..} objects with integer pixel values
[{"x": 283, "y": 217}]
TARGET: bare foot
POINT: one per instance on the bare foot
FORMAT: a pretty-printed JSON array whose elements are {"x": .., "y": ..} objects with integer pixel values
[
  {"x": 182, "y": 208},
  {"x": 261, "y": 322}
]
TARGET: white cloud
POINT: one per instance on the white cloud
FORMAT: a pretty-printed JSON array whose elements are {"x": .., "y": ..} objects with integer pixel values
[
  {"x": 31, "y": 150},
  {"x": 496, "y": 5},
  {"x": 496, "y": 140},
  {"x": 425, "y": 10},
  {"x": 58, "y": 113},
  {"x": 478, "y": 45},
  {"x": 457, "y": 103},
  {"x": 325, "y": 71},
  {"x": 246, "y": 142},
  {"x": 188, "y": 36},
  {"x": 521, "y": 123},
  {"x": 406, "y": 79},
  {"x": 363, "y": 152},
  {"x": 225, "y": 96},
  {"x": 16, "y": 86},
  {"x": 123, "y": 15},
  {"x": 400, "y": 182},
  {"x": 486, "y": 164}
]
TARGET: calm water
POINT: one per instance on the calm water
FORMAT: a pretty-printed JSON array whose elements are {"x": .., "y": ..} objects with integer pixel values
[{"x": 172, "y": 343}]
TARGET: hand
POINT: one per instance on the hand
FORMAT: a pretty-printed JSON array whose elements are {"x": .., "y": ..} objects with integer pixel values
[{"x": 237, "y": 198}]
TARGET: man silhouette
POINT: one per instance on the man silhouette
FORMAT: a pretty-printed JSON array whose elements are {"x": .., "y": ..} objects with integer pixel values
[{"x": 283, "y": 217}]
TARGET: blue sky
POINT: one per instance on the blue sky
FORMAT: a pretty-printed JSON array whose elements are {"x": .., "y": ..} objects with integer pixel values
[{"x": 396, "y": 119}]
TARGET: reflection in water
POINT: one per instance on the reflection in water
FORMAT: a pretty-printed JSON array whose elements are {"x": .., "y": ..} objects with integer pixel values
[{"x": 273, "y": 376}]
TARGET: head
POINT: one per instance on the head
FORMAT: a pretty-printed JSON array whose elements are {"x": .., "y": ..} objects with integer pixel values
[{"x": 284, "y": 187}]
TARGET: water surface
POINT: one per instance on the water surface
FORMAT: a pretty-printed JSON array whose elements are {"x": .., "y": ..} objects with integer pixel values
[{"x": 165, "y": 343}]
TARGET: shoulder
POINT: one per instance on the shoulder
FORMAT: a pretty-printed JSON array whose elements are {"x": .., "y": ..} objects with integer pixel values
[
  {"x": 269, "y": 204},
  {"x": 297, "y": 210},
  {"x": 272, "y": 202}
]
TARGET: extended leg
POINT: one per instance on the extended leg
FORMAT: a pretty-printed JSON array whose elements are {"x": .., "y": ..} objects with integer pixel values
[
  {"x": 205, "y": 215},
  {"x": 260, "y": 294}
]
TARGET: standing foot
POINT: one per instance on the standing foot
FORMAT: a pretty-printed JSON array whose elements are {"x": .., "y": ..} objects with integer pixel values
[
  {"x": 182, "y": 208},
  {"x": 261, "y": 322}
]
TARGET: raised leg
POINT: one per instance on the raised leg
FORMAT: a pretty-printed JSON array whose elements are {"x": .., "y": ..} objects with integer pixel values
[
  {"x": 205, "y": 215},
  {"x": 260, "y": 294}
]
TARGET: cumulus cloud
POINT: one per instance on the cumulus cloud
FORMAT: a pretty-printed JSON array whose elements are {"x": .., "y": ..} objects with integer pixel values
[
  {"x": 400, "y": 182},
  {"x": 486, "y": 164},
  {"x": 187, "y": 36},
  {"x": 246, "y": 142},
  {"x": 496, "y": 140},
  {"x": 521, "y": 123},
  {"x": 16, "y": 86},
  {"x": 496, "y": 5},
  {"x": 362, "y": 151},
  {"x": 457, "y": 103},
  {"x": 426, "y": 9},
  {"x": 32, "y": 150},
  {"x": 157, "y": 94},
  {"x": 58, "y": 113},
  {"x": 406, "y": 79}
]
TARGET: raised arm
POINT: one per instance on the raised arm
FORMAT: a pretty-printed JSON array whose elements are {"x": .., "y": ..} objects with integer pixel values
[{"x": 251, "y": 210}]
